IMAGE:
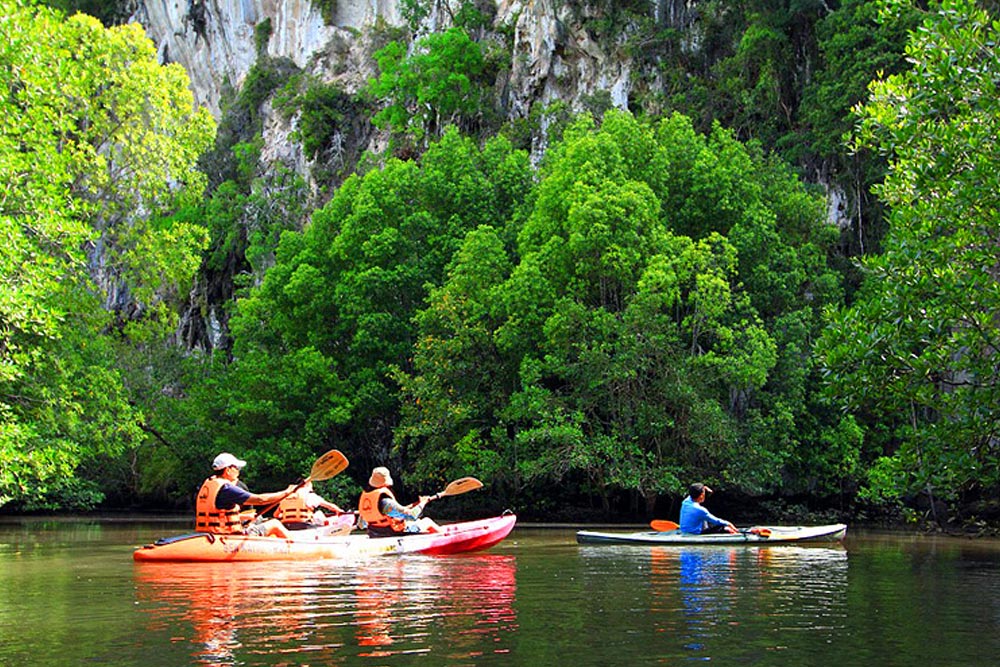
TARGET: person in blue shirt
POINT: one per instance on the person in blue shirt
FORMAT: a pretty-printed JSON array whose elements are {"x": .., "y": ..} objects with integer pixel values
[{"x": 697, "y": 520}]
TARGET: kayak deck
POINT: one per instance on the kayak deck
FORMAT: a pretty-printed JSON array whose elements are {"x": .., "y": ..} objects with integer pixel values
[
  {"x": 324, "y": 543},
  {"x": 772, "y": 535}
]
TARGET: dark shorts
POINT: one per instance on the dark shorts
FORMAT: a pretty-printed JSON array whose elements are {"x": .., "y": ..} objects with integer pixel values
[{"x": 710, "y": 530}]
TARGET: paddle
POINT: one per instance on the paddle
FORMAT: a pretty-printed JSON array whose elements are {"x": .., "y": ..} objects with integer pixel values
[
  {"x": 461, "y": 485},
  {"x": 662, "y": 526},
  {"x": 329, "y": 465}
]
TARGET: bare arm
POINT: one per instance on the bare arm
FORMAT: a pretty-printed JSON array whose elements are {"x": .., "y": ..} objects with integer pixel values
[{"x": 274, "y": 497}]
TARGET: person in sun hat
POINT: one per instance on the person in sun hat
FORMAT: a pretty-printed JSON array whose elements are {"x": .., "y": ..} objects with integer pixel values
[
  {"x": 384, "y": 515},
  {"x": 217, "y": 508},
  {"x": 697, "y": 520}
]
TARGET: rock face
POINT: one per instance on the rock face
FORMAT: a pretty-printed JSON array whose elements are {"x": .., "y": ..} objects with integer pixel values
[
  {"x": 214, "y": 40},
  {"x": 554, "y": 56}
]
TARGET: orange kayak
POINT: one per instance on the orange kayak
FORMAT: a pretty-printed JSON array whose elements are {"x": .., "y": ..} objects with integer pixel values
[{"x": 326, "y": 543}]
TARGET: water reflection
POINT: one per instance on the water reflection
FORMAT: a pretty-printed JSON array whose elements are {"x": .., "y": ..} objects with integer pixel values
[
  {"x": 403, "y": 604},
  {"x": 333, "y": 611},
  {"x": 777, "y": 597},
  {"x": 71, "y": 595}
]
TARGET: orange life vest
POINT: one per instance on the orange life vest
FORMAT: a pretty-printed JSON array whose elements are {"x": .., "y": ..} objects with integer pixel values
[
  {"x": 209, "y": 518},
  {"x": 293, "y": 509},
  {"x": 369, "y": 511}
]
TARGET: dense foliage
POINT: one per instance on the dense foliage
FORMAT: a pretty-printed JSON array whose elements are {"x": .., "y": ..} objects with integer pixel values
[
  {"x": 317, "y": 342},
  {"x": 93, "y": 131},
  {"x": 638, "y": 313},
  {"x": 435, "y": 85},
  {"x": 917, "y": 352},
  {"x": 641, "y": 305},
  {"x": 650, "y": 324}
]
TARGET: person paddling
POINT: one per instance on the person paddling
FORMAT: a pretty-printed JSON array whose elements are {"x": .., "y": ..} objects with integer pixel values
[
  {"x": 304, "y": 508},
  {"x": 217, "y": 508},
  {"x": 383, "y": 514},
  {"x": 697, "y": 520}
]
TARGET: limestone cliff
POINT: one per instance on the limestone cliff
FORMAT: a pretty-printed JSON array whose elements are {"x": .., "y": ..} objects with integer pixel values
[
  {"x": 553, "y": 56},
  {"x": 578, "y": 53},
  {"x": 214, "y": 40}
]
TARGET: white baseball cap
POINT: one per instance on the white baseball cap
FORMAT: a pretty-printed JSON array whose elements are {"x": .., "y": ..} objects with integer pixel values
[{"x": 225, "y": 459}]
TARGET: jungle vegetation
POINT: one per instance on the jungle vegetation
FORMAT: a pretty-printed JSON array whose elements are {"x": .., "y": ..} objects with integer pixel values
[{"x": 659, "y": 298}]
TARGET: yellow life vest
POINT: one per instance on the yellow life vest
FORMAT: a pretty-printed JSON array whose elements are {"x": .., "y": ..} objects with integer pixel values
[{"x": 209, "y": 518}]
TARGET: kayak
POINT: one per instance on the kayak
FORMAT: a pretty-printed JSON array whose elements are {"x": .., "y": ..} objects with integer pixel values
[
  {"x": 327, "y": 542},
  {"x": 760, "y": 535}
]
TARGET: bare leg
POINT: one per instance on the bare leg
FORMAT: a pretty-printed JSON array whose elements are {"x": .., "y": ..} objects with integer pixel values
[{"x": 274, "y": 528}]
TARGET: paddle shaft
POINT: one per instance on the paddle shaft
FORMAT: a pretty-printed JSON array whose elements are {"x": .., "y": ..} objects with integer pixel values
[
  {"x": 663, "y": 526},
  {"x": 459, "y": 486}
]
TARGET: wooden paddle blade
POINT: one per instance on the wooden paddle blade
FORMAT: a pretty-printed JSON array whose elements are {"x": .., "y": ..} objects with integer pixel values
[
  {"x": 463, "y": 485},
  {"x": 330, "y": 464},
  {"x": 663, "y": 526}
]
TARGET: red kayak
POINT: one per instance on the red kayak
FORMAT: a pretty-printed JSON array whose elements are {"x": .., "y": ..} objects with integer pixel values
[{"x": 326, "y": 542}]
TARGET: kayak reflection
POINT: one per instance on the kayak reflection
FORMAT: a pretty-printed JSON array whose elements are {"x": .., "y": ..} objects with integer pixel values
[
  {"x": 716, "y": 585},
  {"x": 435, "y": 602},
  {"x": 412, "y": 604},
  {"x": 223, "y": 608}
]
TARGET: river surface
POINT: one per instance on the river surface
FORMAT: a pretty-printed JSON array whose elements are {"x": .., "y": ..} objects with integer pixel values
[{"x": 70, "y": 594}]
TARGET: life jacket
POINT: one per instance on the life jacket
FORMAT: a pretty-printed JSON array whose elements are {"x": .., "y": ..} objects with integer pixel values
[
  {"x": 369, "y": 511},
  {"x": 209, "y": 518},
  {"x": 293, "y": 509}
]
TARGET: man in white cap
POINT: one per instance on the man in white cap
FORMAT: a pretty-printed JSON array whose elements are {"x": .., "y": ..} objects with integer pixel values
[
  {"x": 221, "y": 496},
  {"x": 384, "y": 515}
]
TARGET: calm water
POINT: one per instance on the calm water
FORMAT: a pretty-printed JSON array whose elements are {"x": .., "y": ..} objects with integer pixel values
[{"x": 71, "y": 595}]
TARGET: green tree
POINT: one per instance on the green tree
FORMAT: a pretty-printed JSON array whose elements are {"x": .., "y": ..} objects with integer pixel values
[
  {"x": 435, "y": 85},
  {"x": 915, "y": 356},
  {"x": 318, "y": 343},
  {"x": 95, "y": 138},
  {"x": 627, "y": 340},
  {"x": 854, "y": 45},
  {"x": 461, "y": 378},
  {"x": 110, "y": 12}
]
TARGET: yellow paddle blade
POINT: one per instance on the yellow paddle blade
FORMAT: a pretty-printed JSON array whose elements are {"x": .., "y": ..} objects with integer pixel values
[
  {"x": 461, "y": 485},
  {"x": 330, "y": 464},
  {"x": 662, "y": 525}
]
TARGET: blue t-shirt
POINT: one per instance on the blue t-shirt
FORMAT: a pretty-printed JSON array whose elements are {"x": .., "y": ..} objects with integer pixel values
[
  {"x": 229, "y": 496},
  {"x": 694, "y": 517}
]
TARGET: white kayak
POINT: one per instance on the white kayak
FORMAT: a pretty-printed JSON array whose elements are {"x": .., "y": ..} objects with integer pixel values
[{"x": 759, "y": 535}]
